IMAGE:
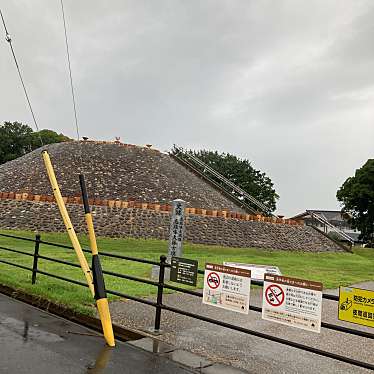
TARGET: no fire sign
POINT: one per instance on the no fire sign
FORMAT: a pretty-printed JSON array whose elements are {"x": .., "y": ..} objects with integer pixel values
[
  {"x": 274, "y": 295},
  {"x": 293, "y": 302}
]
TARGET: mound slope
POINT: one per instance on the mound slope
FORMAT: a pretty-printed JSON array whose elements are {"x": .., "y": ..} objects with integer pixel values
[{"x": 112, "y": 171}]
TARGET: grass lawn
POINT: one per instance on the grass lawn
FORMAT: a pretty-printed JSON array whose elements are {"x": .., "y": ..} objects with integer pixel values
[{"x": 332, "y": 269}]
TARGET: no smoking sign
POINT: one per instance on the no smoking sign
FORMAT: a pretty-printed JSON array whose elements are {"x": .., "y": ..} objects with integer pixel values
[
  {"x": 274, "y": 295},
  {"x": 292, "y": 302}
]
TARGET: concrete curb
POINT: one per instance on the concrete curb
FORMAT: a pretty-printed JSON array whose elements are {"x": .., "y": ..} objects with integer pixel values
[{"x": 121, "y": 333}]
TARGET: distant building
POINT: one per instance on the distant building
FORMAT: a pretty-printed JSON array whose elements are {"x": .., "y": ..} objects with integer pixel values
[{"x": 334, "y": 217}]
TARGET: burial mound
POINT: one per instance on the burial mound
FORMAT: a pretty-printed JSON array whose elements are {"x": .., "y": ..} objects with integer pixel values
[{"x": 113, "y": 171}]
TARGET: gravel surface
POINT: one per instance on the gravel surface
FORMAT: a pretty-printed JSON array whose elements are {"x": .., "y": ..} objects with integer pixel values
[
  {"x": 112, "y": 171},
  {"x": 125, "y": 172},
  {"x": 245, "y": 351}
]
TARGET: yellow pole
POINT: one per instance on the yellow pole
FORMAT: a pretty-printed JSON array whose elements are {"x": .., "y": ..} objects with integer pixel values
[
  {"x": 98, "y": 278},
  {"x": 100, "y": 293},
  {"x": 91, "y": 234},
  {"x": 65, "y": 217}
]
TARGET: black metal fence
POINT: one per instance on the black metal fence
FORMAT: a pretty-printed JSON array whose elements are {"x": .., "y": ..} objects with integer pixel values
[{"x": 161, "y": 285}]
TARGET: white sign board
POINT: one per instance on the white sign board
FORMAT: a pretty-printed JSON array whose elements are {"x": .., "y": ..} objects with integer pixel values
[
  {"x": 292, "y": 302},
  {"x": 227, "y": 287},
  {"x": 257, "y": 271},
  {"x": 176, "y": 229}
]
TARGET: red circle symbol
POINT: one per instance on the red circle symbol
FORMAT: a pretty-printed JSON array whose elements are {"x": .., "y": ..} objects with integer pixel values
[
  {"x": 274, "y": 295},
  {"x": 213, "y": 280}
]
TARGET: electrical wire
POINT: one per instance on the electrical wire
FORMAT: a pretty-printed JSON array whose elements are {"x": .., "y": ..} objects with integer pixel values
[
  {"x": 9, "y": 40},
  {"x": 70, "y": 73},
  {"x": 71, "y": 80}
]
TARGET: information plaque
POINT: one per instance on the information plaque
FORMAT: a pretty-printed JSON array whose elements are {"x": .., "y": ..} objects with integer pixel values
[{"x": 183, "y": 270}]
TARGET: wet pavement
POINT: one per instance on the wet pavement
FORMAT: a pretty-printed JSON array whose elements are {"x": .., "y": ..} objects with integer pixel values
[
  {"x": 247, "y": 352},
  {"x": 33, "y": 341}
]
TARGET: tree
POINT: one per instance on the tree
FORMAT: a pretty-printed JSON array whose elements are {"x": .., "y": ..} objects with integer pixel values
[
  {"x": 48, "y": 137},
  {"x": 357, "y": 198},
  {"x": 14, "y": 140},
  {"x": 241, "y": 173},
  {"x": 17, "y": 139}
]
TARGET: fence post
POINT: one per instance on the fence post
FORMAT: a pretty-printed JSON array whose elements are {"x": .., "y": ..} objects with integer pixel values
[
  {"x": 36, "y": 257},
  {"x": 160, "y": 289}
]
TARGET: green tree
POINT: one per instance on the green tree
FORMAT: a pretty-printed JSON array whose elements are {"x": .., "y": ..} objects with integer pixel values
[
  {"x": 357, "y": 198},
  {"x": 48, "y": 137},
  {"x": 241, "y": 173},
  {"x": 14, "y": 140},
  {"x": 17, "y": 139}
]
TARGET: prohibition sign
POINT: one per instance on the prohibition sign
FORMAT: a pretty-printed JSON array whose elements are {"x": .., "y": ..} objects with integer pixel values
[
  {"x": 274, "y": 295},
  {"x": 213, "y": 280}
]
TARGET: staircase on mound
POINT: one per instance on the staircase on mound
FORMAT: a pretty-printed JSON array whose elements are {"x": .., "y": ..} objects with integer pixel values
[
  {"x": 247, "y": 202},
  {"x": 341, "y": 234}
]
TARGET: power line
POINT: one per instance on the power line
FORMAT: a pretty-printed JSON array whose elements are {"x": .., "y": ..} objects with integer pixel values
[
  {"x": 9, "y": 40},
  {"x": 70, "y": 74}
]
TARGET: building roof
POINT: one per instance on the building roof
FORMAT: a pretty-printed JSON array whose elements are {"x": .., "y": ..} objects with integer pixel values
[{"x": 329, "y": 215}]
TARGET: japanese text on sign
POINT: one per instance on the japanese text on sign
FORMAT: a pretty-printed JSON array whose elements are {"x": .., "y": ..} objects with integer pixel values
[
  {"x": 356, "y": 305},
  {"x": 183, "y": 271},
  {"x": 176, "y": 229},
  {"x": 227, "y": 287},
  {"x": 292, "y": 302}
]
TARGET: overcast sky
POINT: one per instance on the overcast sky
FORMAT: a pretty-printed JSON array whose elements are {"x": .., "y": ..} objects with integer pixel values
[{"x": 288, "y": 85}]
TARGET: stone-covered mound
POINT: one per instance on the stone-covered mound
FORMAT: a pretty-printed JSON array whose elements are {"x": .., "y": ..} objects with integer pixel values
[
  {"x": 112, "y": 171},
  {"x": 146, "y": 224}
]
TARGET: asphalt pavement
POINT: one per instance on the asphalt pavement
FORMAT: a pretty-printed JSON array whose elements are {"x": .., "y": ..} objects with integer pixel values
[{"x": 33, "y": 341}]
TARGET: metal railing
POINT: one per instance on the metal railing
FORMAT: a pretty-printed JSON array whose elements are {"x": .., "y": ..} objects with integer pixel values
[
  {"x": 161, "y": 285},
  {"x": 231, "y": 189},
  {"x": 325, "y": 222}
]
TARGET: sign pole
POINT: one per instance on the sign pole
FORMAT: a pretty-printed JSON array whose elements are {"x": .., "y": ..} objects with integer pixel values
[{"x": 177, "y": 221}]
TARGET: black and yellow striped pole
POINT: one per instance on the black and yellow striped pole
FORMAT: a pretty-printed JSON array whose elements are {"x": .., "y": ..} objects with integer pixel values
[{"x": 98, "y": 278}]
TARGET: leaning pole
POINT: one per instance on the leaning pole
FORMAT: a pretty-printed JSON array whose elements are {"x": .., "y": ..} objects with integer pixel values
[
  {"x": 101, "y": 305},
  {"x": 98, "y": 278},
  {"x": 69, "y": 226}
]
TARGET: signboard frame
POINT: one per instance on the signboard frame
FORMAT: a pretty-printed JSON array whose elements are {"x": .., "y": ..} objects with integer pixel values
[
  {"x": 227, "y": 287},
  {"x": 354, "y": 291},
  {"x": 292, "y": 302},
  {"x": 256, "y": 268},
  {"x": 184, "y": 271}
]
